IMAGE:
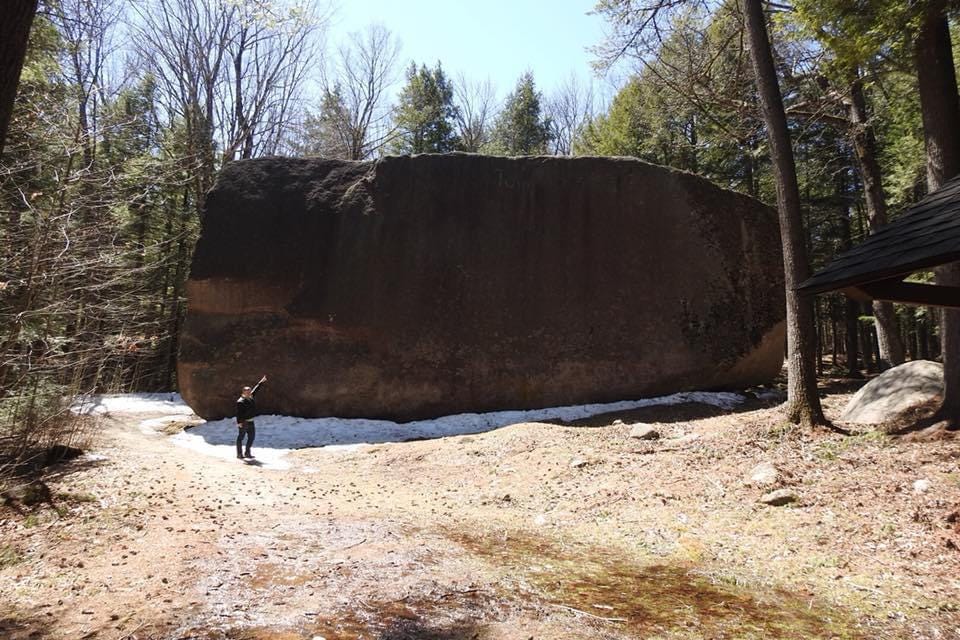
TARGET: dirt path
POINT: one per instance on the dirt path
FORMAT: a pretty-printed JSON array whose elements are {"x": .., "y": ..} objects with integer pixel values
[{"x": 531, "y": 531}]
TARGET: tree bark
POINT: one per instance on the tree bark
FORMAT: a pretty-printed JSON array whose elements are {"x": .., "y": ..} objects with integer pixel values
[
  {"x": 940, "y": 109},
  {"x": 803, "y": 402},
  {"x": 865, "y": 149},
  {"x": 16, "y": 16},
  {"x": 851, "y": 309}
]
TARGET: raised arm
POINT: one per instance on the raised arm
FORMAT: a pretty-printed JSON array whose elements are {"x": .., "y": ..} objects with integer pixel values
[{"x": 254, "y": 390}]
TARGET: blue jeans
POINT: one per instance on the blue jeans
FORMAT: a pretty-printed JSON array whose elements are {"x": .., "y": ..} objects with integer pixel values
[{"x": 248, "y": 429}]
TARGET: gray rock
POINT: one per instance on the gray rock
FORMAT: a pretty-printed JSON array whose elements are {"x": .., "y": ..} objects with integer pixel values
[
  {"x": 683, "y": 440},
  {"x": 894, "y": 391},
  {"x": 779, "y": 497},
  {"x": 578, "y": 463},
  {"x": 764, "y": 474},
  {"x": 643, "y": 431}
]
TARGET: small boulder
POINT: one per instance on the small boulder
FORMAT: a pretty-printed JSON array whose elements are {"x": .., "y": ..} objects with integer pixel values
[
  {"x": 764, "y": 475},
  {"x": 681, "y": 441},
  {"x": 894, "y": 391},
  {"x": 779, "y": 497},
  {"x": 643, "y": 431},
  {"x": 578, "y": 463},
  {"x": 921, "y": 486}
]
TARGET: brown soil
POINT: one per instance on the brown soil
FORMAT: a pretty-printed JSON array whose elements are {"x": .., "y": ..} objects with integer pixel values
[{"x": 543, "y": 531}]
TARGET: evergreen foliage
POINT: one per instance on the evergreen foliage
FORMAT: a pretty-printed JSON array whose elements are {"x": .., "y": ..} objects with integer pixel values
[
  {"x": 521, "y": 128},
  {"x": 425, "y": 113}
]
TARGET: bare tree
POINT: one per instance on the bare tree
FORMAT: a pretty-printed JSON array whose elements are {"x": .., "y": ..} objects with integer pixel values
[
  {"x": 230, "y": 72},
  {"x": 87, "y": 27},
  {"x": 355, "y": 86},
  {"x": 569, "y": 109},
  {"x": 476, "y": 109},
  {"x": 270, "y": 52},
  {"x": 184, "y": 45}
]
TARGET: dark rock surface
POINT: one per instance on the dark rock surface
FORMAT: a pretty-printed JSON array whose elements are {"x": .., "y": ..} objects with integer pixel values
[{"x": 420, "y": 286}]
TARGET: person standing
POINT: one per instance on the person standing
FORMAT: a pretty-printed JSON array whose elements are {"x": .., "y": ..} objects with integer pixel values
[{"x": 246, "y": 411}]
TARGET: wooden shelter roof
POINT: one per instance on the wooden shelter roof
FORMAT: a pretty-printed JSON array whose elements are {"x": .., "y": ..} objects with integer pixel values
[{"x": 925, "y": 236}]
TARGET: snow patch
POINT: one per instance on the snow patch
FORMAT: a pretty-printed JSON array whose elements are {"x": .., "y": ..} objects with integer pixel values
[
  {"x": 162, "y": 403},
  {"x": 276, "y": 435}
]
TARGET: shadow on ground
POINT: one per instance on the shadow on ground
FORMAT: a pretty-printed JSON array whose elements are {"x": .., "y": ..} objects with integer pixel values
[
  {"x": 666, "y": 414},
  {"x": 16, "y": 627}
]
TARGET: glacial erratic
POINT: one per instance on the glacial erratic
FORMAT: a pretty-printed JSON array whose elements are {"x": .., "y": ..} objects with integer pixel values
[{"x": 419, "y": 286}]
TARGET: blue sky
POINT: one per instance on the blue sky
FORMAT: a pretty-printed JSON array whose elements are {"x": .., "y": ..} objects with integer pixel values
[{"x": 496, "y": 38}]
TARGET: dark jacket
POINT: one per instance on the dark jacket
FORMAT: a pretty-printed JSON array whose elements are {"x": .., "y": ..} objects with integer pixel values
[{"x": 247, "y": 407}]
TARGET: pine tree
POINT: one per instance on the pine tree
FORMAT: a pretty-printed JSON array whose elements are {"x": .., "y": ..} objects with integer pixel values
[
  {"x": 521, "y": 129},
  {"x": 326, "y": 132},
  {"x": 425, "y": 115}
]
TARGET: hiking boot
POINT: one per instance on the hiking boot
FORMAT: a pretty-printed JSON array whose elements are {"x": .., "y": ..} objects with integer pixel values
[
  {"x": 239, "y": 457},
  {"x": 248, "y": 455}
]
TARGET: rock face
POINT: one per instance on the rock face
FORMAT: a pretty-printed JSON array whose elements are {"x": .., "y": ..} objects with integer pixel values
[
  {"x": 894, "y": 391},
  {"x": 420, "y": 286}
]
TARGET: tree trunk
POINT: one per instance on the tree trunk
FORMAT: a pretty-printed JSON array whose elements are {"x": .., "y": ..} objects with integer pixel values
[
  {"x": 940, "y": 107},
  {"x": 803, "y": 403},
  {"x": 865, "y": 148},
  {"x": 851, "y": 309},
  {"x": 923, "y": 338},
  {"x": 833, "y": 333},
  {"x": 912, "y": 334},
  {"x": 850, "y": 312},
  {"x": 16, "y": 16}
]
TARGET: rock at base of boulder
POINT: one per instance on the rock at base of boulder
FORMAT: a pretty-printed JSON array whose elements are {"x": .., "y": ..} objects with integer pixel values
[
  {"x": 779, "y": 498},
  {"x": 894, "y": 391},
  {"x": 643, "y": 431}
]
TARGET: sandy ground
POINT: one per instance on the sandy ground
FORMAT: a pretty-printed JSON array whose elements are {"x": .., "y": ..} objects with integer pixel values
[{"x": 534, "y": 530}]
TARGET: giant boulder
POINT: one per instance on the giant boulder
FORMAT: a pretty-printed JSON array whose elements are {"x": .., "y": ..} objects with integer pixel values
[{"x": 418, "y": 286}]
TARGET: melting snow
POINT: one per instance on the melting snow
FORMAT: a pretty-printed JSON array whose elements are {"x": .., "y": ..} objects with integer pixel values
[
  {"x": 165, "y": 403},
  {"x": 276, "y": 436}
]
